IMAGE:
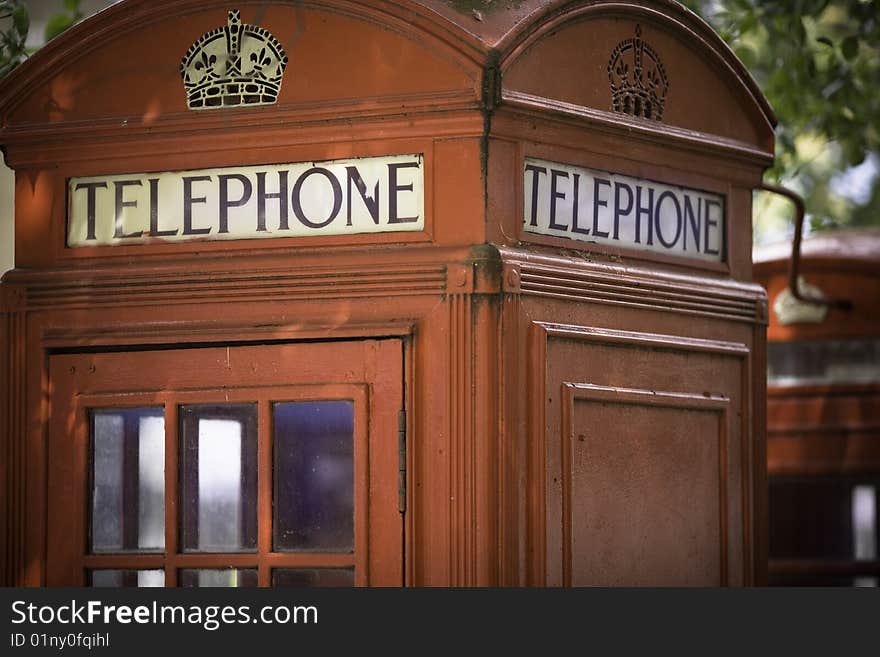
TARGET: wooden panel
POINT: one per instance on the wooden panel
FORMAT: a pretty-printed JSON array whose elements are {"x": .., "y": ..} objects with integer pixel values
[
  {"x": 629, "y": 516},
  {"x": 647, "y": 458}
]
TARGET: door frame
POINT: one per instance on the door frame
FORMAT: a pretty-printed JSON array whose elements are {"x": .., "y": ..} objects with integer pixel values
[{"x": 377, "y": 375}]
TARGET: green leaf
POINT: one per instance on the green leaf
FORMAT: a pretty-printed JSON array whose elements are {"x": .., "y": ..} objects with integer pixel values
[
  {"x": 6, "y": 68},
  {"x": 72, "y": 5},
  {"x": 850, "y": 47},
  {"x": 56, "y": 25},
  {"x": 21, "y": 20}
]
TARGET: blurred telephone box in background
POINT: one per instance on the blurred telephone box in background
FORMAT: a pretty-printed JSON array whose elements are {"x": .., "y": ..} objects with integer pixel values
[{"x": 823, "y": 412}]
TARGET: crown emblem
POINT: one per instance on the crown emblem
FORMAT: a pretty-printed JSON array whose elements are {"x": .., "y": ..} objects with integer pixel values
[
  {"x": 233, "y": 65},
  {"x": 638, "y": 81}
]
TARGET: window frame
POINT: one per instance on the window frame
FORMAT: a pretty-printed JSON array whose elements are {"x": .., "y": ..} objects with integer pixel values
[{"x": 80, "y": 559}]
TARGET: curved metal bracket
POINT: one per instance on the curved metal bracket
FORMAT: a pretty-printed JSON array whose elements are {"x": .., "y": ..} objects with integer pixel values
[{"x": 794, "y": 266}]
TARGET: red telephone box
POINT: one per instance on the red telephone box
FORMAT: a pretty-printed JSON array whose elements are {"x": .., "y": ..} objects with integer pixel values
[
  {"x": 823, "y": 405},
  {"x": 384, "y": 293}
]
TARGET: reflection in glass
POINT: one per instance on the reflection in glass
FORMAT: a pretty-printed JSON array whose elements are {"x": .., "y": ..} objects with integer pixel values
[
  {"x": 314, "y": 476},
  {"x": 225, "y": 577},
  {"x": 823, "y": 517},
  {"x": 864, "y": 515},
  {"x": 219, "y": 462},
  {"x": 821, "y": 579},
  {"x": 151, "y": 482},
  {"x": 800, "y": 362},
  {"x": 128, "y": 480},
  {"x": 108, "y": 440},
  {"x": 312, "y": 577},
  {"x": 126, "y": 578}
]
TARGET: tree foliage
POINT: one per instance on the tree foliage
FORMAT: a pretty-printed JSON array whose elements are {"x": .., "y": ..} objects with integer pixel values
[
  {"x": 818, "y": 63},
  {"x": 15, "y": 24}
]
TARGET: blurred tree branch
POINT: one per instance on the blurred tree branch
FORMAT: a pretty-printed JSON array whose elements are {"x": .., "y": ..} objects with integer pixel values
[
  {"x": 818, "y": 63},
  {"x": 15, "y": 24}
]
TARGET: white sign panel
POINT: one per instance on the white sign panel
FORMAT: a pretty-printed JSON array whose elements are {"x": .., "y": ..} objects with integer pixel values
[
  {"x": 586, "y": 205},
  {"x": 342, "y": 197}
]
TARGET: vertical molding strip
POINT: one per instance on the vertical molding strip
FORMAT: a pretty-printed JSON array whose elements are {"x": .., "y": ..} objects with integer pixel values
[
  {"x": 5, "y": 445},
  {"x": 12, "y": 404},
  {"x": 463, "y": 466}
]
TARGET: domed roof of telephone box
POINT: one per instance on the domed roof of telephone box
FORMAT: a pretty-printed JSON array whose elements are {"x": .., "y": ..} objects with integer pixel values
[{"x": 136, "y": 64}]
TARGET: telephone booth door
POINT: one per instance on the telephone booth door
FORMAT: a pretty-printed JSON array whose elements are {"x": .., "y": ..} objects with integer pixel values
[{"x": 270, "y": 465}]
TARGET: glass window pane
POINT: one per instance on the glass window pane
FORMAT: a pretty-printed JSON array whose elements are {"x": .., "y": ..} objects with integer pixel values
[
  {"x": 227, "y": 577},
  {"x": 821, "y": 579},
  {"x": 312, "y": 577},
  {"x": 314, "y": 476},
  {"x": 824, "y": 518},
  {"x": 128, "y": 480},
  {"x": 801, "y": 362},
  {"x": 139, "y": 578},
  {"x": 219, "y": 468},
  {"x": 151, "y": 482}
]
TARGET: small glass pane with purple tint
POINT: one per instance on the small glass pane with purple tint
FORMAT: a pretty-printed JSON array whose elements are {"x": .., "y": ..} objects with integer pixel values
[
  {"x": 312, "y": 577},
  {"x": 314, "y": 476}
]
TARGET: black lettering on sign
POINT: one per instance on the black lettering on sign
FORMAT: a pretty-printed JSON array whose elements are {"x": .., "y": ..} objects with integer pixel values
[
  {"x": 225, "y": 203},
  {"x": 619, "y": 209},
  {"x": 296, "y": 197},
  {"x": 154, "y": 212},
  {"x": 646, "y": 211},
  {"x": 554, "y": 195},
  {"x": 597, "y": 203},
  {"x": 692, "y": 221},
  {"x": 380, "y": 194},
  {"x": 622, "y": 211},
  {"x": 90, "y": 205},
  {"x": 712, "y": 224},
  {"x": 280, "y": 196},
  {"x": 352, "y": 175},
  {"x": 394, "y": 188},
  {"x": 121, "y": 204},
  {"x": 575, "y": 227},
  {"x": 188, "y": 201},
  {"x": 658, "y": 219},
  {"x": 536, "y": 171}
]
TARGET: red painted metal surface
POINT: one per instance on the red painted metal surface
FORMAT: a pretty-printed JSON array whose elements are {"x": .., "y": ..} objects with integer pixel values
[{"x": 496, "y": 325}]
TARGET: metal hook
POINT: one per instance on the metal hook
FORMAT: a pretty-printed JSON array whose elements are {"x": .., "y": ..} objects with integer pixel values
[{"x": 794, "y": 266}]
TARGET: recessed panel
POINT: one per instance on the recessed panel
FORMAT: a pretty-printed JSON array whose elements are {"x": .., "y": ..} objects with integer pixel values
[
  {"x": 644, "y": 473},
  {"x": 645, "y": 488}
]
